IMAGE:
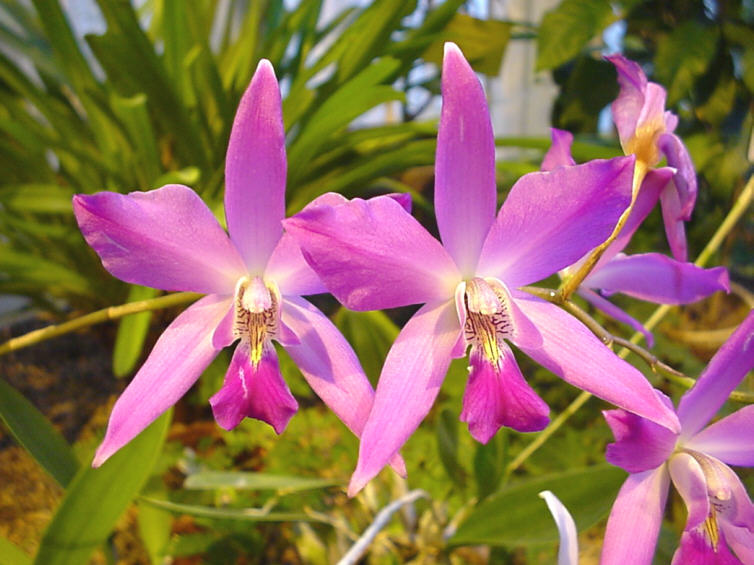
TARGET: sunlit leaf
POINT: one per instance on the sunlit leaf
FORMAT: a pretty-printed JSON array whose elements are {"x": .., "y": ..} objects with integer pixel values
[{"x": 209, "y": 480}]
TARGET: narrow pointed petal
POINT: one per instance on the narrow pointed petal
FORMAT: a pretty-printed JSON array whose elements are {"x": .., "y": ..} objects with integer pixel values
[
  {"x": 723, "y": 374},
  {"x": 550, "y": 220},
  {"x": 255, "y": 170},
  {"x": 611, "y": 310},
  {"x": 639, "y": 445},
  {"x": 689, "y": 481},
  {"x": 411, "y": 377},
  {"x": 656, "y": 278},
  {"x": 559, "y": 153},
  {"x": 627, "y": 106},
  {"x": 371, "y": 254},
  {"x": 685, "y": 178},
  {"x": 634, "y": 522},
  {"x": 499, "y": 396},
  {"x": 180, "y": 355},
  {"x": 290, "y": 271},
  {"x": 465, "y": 189},
  {"x": 672, "y": 218},
  {"x": 330, "y": 366},
  {"x": 254, "y": 392},
  {"x": 165, "y": 238},
  {"x": 568, "y": 553},
  {"x": 695, "y": 549},
  {"x": 729, "y": 439},
  {"x": 572, "y": 352}
]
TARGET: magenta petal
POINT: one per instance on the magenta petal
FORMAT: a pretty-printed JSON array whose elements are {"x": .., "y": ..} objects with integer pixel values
[
  {"x": 165, "y": 238},
  {"x": 628, "y": 105},
  {"x": 465, "y": 189},
  {"x": 685, "y": 178},
  {"x": 656, "y": 278},
  {"x": 740, "y": 540},
  {"x": 255, "y": 392},
  {"x": 499, "y": 396},
  {"x": 634, "y": 522},
  {"x": 550, "y": 220},
  {"x": 689, "y": 481},
  {"x": 290, "y": 271},
  {"x": 639, "y": 445},
  {"x": 672, "y": 218},
  {"x": 695, "y": 549},
  {"x": 723, "y": 374},
  {"x": 611, "y": 310},
  {"x": 559, "y": 153},
  {"x": 411, "y": 377},
  {"x": 729, "y": 439},
  {"x": 572, "y": 352},
  {"x": 180, "y": 355},
  {"x": 255, "y": 169},
  {"x": 372, "y": 254}
]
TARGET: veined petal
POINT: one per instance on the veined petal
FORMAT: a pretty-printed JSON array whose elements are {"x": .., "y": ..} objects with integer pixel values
[
  {"x": 411, "y": 377},
  {"x": 255, "y": 170},
  {"x": 656, "y": 278},
  {"x": 572, "y": 352},
  {"x": 290, "y": 271},
  {"x": 634, "y": 522},
  {"x": 611, "y": 310},
  {"x": 672, "y": 218},
  {"x": 685, "y": 178},
  {"x": 559, "y": 153},
  {"x": 180, "y": 355},
  {"x": 729, "y": 439},
  {"x": 689, "y": 481},
  {"x": 568, "y": 553},
  {"x": 551, "y": 219},
  {"x": 499, "y": 396},
  {"x": 372, "y": 254},
  {"x": 165, "y": 238},
  {"x": 465, "y": 189},
  {"x": 330, "y": 366},
  {"x": 253, "y": 391},
  {"x": 723, "y": 374}
]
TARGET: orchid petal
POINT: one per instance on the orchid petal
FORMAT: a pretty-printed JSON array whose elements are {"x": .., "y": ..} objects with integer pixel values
[
  {"x": 729, "y": 439},
  {"x": 255, "y": 170},
  {"x": 688, "y": 478},
  {"x": 611, "y": 310},
  {"x": 411, "y": 377},
  {"x": 550, "y": 220},
  {"x": 499, "y": 396},
  {"x": 672, "y": 218},
  {"x": 634, "y": 522},
  {"x": 290, "y": 271},
  {"x": 165, "y": 238},
  {"x": 465, "y": 190},
  {"x": 740, "y": 540},
  {"x": 559, "y": 153},
  {"x": 723, "y": 374},
  {"x": 695, "y": 549},
  {"x": 685, "y": 178},
  {"x": 568, "y": 553},
  {"x": 572, "y": 352},
  {"x": 253, "y": 391},
  {"x": 627, "y": 106},
  {"x": 738, "y": 509},
  {"x": 180, "y": 355},
  {"x": 372, "y": 254}
]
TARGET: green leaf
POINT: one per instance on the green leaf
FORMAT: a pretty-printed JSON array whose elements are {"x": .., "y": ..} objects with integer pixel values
[
  {"x": 371, "y": 334},
  {"x": 154, "y": 529},
  {"x": 96, "y": 498},
  {"x": 35, "y": 433},
  {"x": 565, "y": 30},
  {"x": 516, "y": 516},
  {"x": 489, "y": 463},
  {"x": 447, "y": 445},
  {"x": 11, "y": 554},
  {"x": 244, "y": 514},
  {"x": 132, "y": 332},
  {"x": 210, "y": 480},
  {"x": 37, "y": 198}
]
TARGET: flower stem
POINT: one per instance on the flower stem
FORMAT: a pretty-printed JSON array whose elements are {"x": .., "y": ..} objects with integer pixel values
[{"x": 110, "y": 313}]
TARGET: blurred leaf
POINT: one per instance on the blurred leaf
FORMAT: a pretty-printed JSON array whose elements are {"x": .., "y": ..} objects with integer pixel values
[
  {"x": 566, "y": 29},
  {"x": 447, "y": 445},
  {"x": 210, "y": 480},
  {"x": 18, "y": 266},
  {"x": 683, "y": 55},
  {"x": 489, "y": 463},
  {"x": 587, "y": 90},
  {"x": 11, "y": 554},
  {"x": 35, "y": 433},
  {"x": 154, "y": 529},
  {"x": 132, "y": 332},
  {"x": 96, "y": 498},
  {"x": 516, "y": 515},
  {"x": 244, "y": 514},
  {"x": 36, "y": 198},
  {"x": 371, "y": 334}
]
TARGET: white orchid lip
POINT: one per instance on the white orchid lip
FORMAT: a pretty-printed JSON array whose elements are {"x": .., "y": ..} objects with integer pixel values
[
  {"x": 256, "y": 319},
  {"x": 488, "y": 316}
]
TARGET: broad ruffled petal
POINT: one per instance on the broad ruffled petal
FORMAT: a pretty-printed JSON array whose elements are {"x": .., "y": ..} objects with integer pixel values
[
  {"x": 741, "y": 541},
  {"x": 290, "y": 271},
  {"x": 685, "y": 178},
  {"x": 372, "y": 254},
  {"x": 255, "y": 392},
  {"x": 165, "y": 238},
  {"x": 255, "y": 169},
  {"x": 634, "y": 522},
  {"x": 568, "y": 553},
  {"x": 559, "y": 153},
  {"x": 627, "y": 106},
  {"x": 672, "y": 218},
  {"x": 729, "y": 439},
  {"x": 499, "y": 396},
  {"x": 723, "y": 374},
  {"x": 465, "y": 190},
  {"x": 572, "y": 352},
  {"x": 180, "y": 355},
  {"x": 611, "y": 310},
  {"x": 688, "y": 478},
  {"x": 695, "y": 549},
  {"x": 550, "y": 220},
  {"x": 656, "y": 278},
  {"x": 330, "y": 366},
  {"x": 411, "y": 377}
]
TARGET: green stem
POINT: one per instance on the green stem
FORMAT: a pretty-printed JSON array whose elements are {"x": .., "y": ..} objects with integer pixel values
[{"x": 110, "y": 313}]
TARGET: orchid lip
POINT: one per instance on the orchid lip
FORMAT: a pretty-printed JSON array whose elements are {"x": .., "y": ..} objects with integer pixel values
[
  {"x": 256, "y": 319},
  {"x": 486, "y": 316}
]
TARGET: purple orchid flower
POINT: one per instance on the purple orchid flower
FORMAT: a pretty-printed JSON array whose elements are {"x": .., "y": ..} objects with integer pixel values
[
  {"x": 647, "y": 276},
  {"x": 168, "y": 239},
  {"x": 645, "y": 129},
  {"x": 720, "y": 513},
  {"x": 373, "y": 254}
]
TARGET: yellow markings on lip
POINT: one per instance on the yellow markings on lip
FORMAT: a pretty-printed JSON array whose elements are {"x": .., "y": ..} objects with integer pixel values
[
  {"x": 255, "y": 324},
  {"x": 711, "y": 529},
  {"x": 487, "y": 317}
]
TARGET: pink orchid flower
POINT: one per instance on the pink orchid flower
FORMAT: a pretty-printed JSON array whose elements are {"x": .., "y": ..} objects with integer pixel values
[
  {"x": 645, "y": 129},
  {"x": 720, "y": 512},
  {"x": 373, "y": 255},
  {"x": 168, "y": 239},
  {"x": 647, "y": 276}
]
